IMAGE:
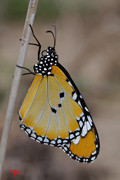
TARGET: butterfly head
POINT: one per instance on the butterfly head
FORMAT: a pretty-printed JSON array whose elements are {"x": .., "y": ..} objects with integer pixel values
[
  {"x": 48, "y": 57},
  {"x": 45, "y": 63}
]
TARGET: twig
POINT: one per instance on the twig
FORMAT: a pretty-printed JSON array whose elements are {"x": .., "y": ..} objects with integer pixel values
[{"x": 17, "y": 75}]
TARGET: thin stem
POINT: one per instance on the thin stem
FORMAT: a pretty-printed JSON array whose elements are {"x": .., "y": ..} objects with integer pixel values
[{"x": 17, "y": 75}]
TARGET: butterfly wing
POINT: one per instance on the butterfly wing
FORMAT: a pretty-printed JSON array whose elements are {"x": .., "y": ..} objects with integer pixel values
[
  {"x": 85, "y": 147},
  {"x": 47, "y": 113},
  {"x": 54, "y": 112}
]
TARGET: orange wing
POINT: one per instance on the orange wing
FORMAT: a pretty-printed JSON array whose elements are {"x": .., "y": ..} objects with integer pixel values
[
  {"x": 48, "y": 113},
  {"x": 85, "y": 147},
  {"x": 54, "y": 112}
]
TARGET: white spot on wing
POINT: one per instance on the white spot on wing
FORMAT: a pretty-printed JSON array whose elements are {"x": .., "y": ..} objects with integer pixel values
[
  {"x": 77, "y": 133},
  {"x": 77, "y": 118},
  {"x": 82, "y": 114},
  {"x": 84, "y": 130},
  {"x": 74, "y": 96},
  {"x": 88, "y": 126},
  {"x": 96, "y": 145},
  {"x": 65, "y": 148},
  {"x": 86, "y": 109},
  {"x": 93, "y": 158},
  {"x": 71, "y": 136},
  {"x": 79, "y": 104},
  {"x": 28, "y": 131},
  {"x": 59, "y": 141},
  {"x": 53, "y": 142},
  {"x": 80, "y": 96},
  {"x": 46, "y": 140},
  {"x": 90, "y": 120},
  {"x": 94, "y": 153},
  {"x": 81, "y": 124},
  {"x": 33, "y": 135},
  {"x": 83, "y": 118},
  {"x": 65, "y": 141},
  {"x": 39, "y": 138},
  {"x": 69, "y": 83},
  {"x": 76, "y": 141}
]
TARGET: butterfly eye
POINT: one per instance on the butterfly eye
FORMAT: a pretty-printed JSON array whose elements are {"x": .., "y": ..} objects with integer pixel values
[{"x": 44, "y": 53}]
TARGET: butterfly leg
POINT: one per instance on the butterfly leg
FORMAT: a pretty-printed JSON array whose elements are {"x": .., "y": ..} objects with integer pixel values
[{"x": 30, "y": 72}]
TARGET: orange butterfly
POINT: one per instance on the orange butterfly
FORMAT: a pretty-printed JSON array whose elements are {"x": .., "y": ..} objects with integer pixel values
[{"x": 54, "y": 112}]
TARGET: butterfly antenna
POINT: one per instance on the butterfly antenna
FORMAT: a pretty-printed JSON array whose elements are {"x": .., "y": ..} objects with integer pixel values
[
  {"x": 39, "y": 45},
  {"x": 54, "y": 35}
]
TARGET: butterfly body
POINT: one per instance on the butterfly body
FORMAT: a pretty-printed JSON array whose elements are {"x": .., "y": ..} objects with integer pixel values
[{"x": 54, "y": 112}]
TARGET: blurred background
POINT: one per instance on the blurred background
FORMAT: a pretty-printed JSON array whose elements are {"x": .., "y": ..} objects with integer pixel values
[{"x": 88, "y": 45}]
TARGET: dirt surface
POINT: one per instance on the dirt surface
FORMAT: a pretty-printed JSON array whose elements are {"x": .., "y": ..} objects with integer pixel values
[{"x": 90, "y": 51}]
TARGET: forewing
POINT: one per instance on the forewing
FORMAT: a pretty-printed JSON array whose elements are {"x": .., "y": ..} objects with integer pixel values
[
  {"x": 48, "y": 113},
  {"x": 84, "y": 147}
]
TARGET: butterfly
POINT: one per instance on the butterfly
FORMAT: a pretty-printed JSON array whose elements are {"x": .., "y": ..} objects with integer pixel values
[{"x": 54, "y": 111}]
